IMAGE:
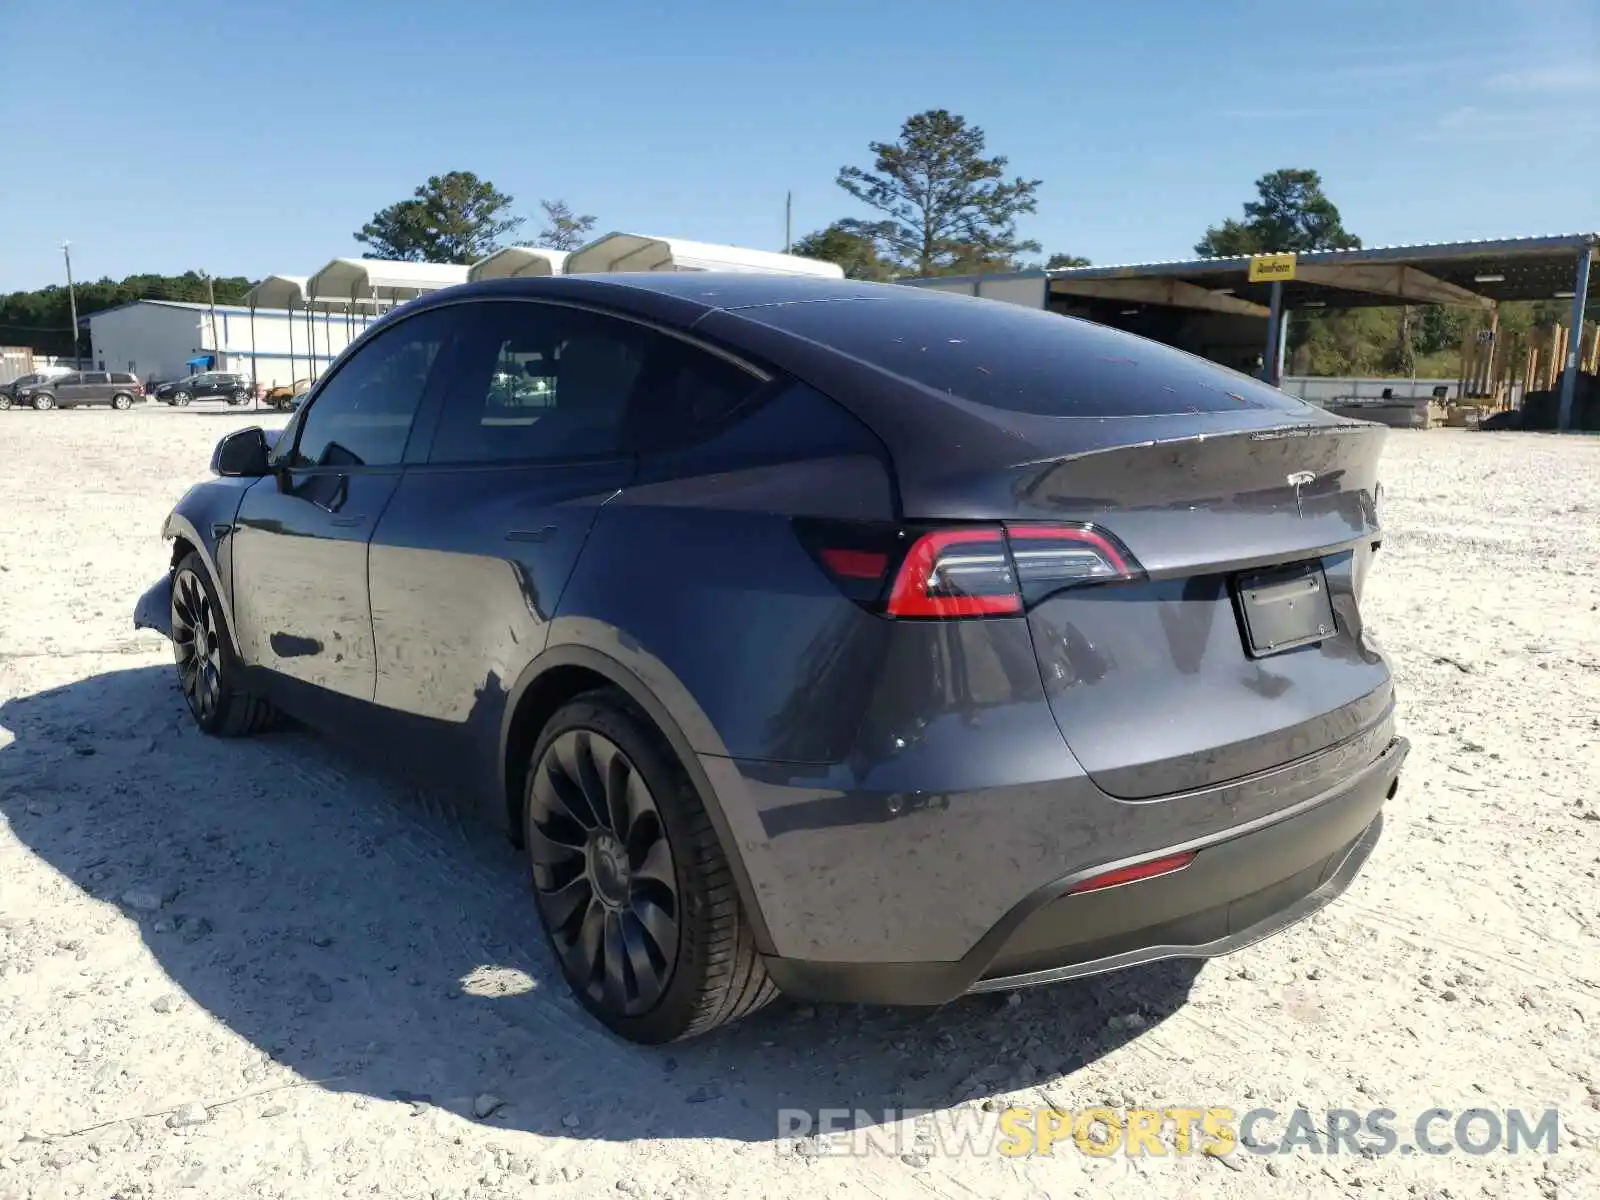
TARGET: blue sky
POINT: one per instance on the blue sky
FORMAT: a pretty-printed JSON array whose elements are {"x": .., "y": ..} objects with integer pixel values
[{"x": 255, "y": 138}]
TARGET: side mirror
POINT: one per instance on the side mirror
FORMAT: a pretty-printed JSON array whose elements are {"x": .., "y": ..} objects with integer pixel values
[{"x": 242, "y": 454}]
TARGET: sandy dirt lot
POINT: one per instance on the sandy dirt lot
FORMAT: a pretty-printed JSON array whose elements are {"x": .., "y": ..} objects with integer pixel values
[{"x": 267, "y": 968}]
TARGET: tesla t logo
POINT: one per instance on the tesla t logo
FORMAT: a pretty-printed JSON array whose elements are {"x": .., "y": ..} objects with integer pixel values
[{"x": 1298, "y": 481}]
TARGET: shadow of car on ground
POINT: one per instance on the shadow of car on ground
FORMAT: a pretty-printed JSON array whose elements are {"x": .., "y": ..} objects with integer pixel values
[{"x": 375, "y": 937}]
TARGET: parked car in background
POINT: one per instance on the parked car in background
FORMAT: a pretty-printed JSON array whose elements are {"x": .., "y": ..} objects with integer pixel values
[
  {"x": 852, "y": 641},
  {"x": 208, "y": 385},
  {"x": 119, "y": 389},
  {"x": 287, "y": 395},
  {"x": 9, "y": 391}
]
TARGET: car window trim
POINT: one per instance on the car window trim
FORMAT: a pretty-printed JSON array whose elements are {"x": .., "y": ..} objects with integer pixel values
[{"x": 764, "y": 376}]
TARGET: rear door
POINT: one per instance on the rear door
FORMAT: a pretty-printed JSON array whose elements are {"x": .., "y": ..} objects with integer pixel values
[
  {"x": 472, "y": 555},
  {"x": 97, "y": 387},
  {"x": 300, "y": 538}
]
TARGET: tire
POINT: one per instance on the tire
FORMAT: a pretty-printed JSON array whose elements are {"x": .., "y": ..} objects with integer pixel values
[
  {"x": 5, "y": 401},
  {"x": 214, "y": 689},
  {"x": 666, "y": 858},
  {"x": 43, "y": 402},
  {"x": 122, "y": 402},
  {"x": 239, "y": 399},
  {"x": 180, "y": 399}
]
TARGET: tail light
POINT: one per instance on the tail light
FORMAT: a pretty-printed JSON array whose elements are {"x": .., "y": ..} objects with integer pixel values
[{"x": 963, "y": 570}]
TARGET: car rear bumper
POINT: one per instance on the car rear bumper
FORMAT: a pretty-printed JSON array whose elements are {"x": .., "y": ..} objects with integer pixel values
[{"x": 1243, "y": 885}]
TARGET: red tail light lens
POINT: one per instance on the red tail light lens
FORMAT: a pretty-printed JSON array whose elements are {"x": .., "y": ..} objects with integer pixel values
[
  {"x": 956, "y": 573},
  {"x": 1144, "y": 870},
  {"x": 962, "y": 571}
]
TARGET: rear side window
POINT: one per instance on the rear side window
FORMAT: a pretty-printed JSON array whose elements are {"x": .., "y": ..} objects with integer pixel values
[
  {"x": 1022, "y": 360},
  {"x": 68, "y": 381},
  {"x": 122, "y": 377},
  {"x": 97, "y": 377},
  {"x": 538, "y": 382}
]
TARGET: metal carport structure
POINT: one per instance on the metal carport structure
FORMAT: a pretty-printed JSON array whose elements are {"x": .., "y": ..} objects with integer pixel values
[
  {"x": 519, "y": 261},
  {"x": 640, "y": 252},
  {"x": 1476, "y": 273},
  {"x": 363, "y": 287}
]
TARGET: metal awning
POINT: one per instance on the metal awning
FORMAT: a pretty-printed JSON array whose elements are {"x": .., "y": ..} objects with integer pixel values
[{"x": 1476, "y": 273}]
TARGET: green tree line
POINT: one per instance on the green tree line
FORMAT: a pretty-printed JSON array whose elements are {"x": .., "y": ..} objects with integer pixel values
[{"x": 42, "y": 319}]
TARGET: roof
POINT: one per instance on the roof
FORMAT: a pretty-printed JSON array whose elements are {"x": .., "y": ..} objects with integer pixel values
[
  {"x": 634, "y": 252},
  {"x": 1491, "y": 269},
  {"x": 278, "y": 291},
  {"x": 519, "y": 260},
  {"x": 346, "y": 281}
]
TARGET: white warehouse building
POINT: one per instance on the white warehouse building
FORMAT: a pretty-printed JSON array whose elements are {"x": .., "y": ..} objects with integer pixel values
[{"x": 168, "y": 339}]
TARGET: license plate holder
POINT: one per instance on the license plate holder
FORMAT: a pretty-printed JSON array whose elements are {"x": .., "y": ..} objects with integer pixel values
[{"x": 1283, "y": 608}]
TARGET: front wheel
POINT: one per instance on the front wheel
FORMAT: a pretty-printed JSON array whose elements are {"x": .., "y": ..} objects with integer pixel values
[
  {"x": 631, "y": 882},
  {"x": 122, "y": 402},
  {"x": 209, "y": 671},
  {"x": 43, "y": 403},
  {"x": 241, "y": 398},
  {"x": 5, "y": 401}
]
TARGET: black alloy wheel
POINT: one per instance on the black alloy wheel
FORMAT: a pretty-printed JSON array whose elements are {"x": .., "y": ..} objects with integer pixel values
[
  {"x": 603, "y": 872},
  {"x": 197, "y": 646},
  {"x": 210, "y": 674}
]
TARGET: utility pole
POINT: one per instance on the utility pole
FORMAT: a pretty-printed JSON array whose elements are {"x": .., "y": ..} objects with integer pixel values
[
  {"x": 72, "y": 299},
  {"x": 211, "y": 298},
  {"x": 788, "y": 221}
]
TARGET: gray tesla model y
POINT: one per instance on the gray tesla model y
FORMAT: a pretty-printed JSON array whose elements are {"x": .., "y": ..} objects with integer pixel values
[{"x": 841, "y": 640}]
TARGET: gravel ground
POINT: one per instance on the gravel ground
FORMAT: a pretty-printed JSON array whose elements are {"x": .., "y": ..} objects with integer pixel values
[{"x": 267, "y": 968}]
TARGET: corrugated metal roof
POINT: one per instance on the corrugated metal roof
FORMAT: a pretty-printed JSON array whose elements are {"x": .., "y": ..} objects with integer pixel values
[{"x": 1480, "y": 247}]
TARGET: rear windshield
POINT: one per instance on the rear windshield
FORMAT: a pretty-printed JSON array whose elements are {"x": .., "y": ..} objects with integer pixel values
[{"x": 1022, "y": 360}]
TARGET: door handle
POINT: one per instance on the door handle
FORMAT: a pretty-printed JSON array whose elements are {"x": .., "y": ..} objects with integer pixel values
[
  {"x": 542, "y": 534},
  {"x": 347, "y": 522}
]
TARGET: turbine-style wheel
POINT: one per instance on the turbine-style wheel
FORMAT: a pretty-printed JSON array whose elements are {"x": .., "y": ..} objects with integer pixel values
[
  {"x": 634, "y": 889},
  {"x": 196, "y": 645},
  {"x": 603, "y": 872},
  {"x": 209, "y": 672}
]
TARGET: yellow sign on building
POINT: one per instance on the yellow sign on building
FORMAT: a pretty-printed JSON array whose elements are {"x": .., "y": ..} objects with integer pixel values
[{"x": 1272, "y": 268}]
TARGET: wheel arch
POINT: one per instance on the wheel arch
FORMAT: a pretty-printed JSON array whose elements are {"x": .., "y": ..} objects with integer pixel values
[
  {"x": 185, "y": 535},
  {"x": 565, "y": 671}
]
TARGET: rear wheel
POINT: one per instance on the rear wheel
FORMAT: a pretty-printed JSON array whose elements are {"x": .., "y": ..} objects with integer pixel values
[
  {"x": 209, "y": 671},
  {"x": 122, "y": 402},
  {"x": 5, "y": 401},
  {"x": 180, "y": 398},
  {"x": 43, "y": 401},
  {"x": 632, "y": 884}
]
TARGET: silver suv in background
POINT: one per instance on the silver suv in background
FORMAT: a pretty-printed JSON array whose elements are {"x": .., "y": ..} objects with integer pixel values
[{"x": 119, "y": 389}]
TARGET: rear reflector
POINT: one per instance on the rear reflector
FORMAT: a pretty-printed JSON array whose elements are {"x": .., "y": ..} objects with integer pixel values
[
  {"x": 855, "y": 564},
  {"x": 1144, "y": 870}
]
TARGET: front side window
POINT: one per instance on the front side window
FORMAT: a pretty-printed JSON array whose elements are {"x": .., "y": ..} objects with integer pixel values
[
  {"x": 362, "y": 416},
  {"x": 538, "y": 382}
]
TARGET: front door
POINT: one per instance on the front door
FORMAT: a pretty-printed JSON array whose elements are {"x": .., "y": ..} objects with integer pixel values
[{"x": 300, "y": 538}]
